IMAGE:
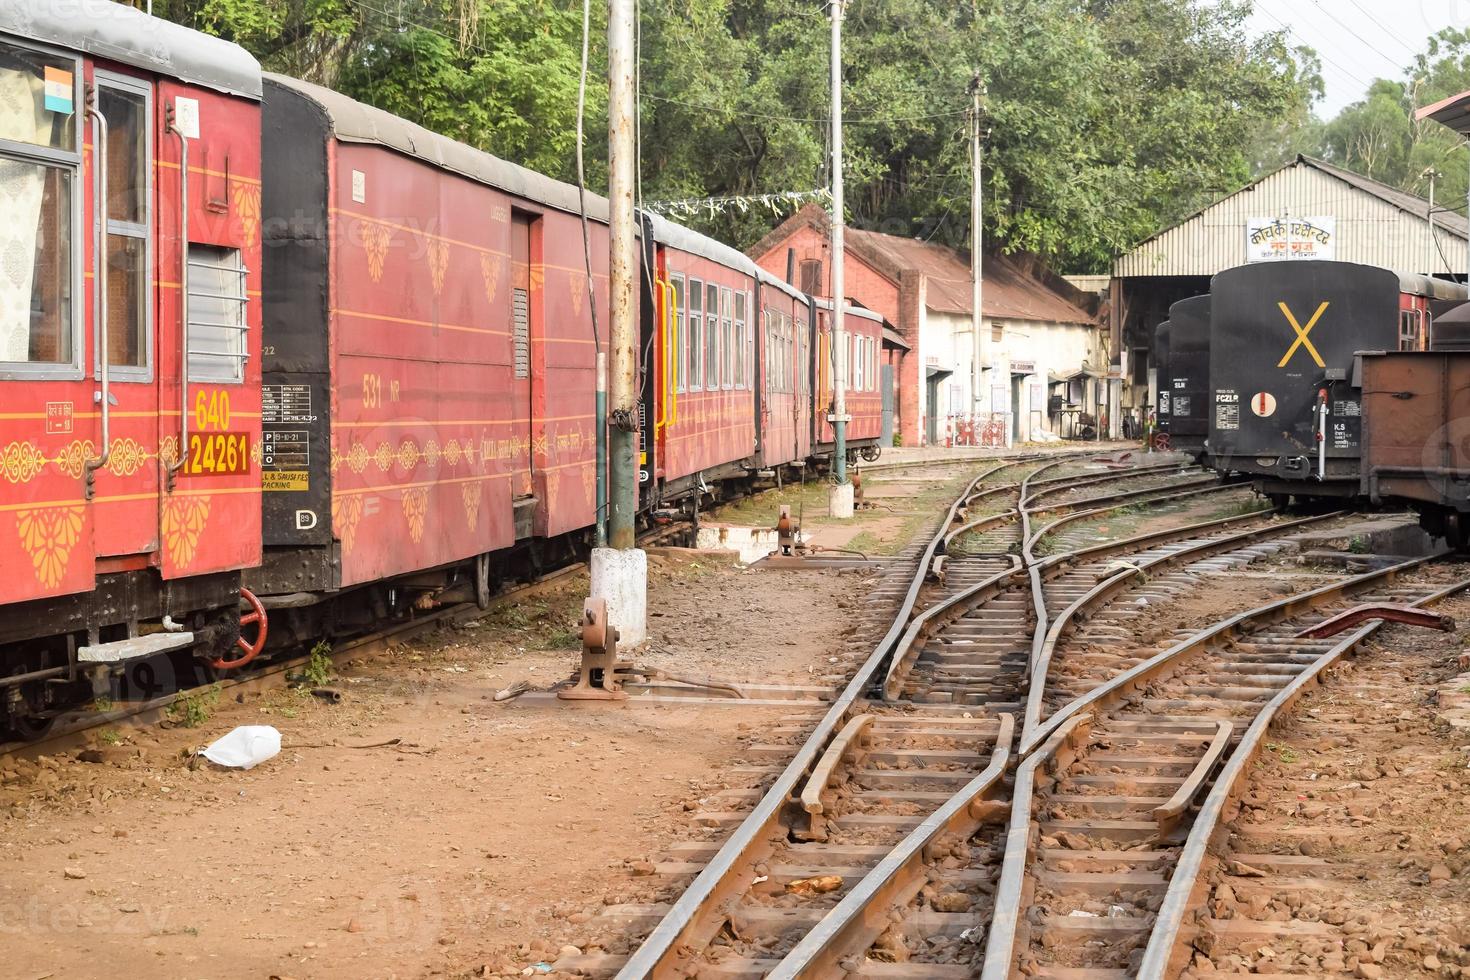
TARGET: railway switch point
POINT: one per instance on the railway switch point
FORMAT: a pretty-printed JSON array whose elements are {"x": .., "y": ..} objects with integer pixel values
[
  {"x": 620, "y": 578},
  {"x": 840, "y": 501},
  {"x": 597, "y": 679}
]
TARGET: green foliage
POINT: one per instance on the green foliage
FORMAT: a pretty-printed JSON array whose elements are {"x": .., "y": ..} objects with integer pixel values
[
  {"x": 318, "y": 669},
  {"x": 194, "y": 708},
  {"x": 1107, "y": 119}
]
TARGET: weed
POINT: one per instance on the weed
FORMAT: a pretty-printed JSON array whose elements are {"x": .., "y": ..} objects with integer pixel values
[
  {"x": 102, "y": 704},
  {"x": 318, "y": 668},
  {"x": 1359, "y": 545},
  {"x": 111, "y": 736},
  {"x": 193, "y": 709},
  {"x": 1288, "y": 756},
  {"x": 564, "y": 637}
]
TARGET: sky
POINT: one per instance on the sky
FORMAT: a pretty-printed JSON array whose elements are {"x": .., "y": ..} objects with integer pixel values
[{"x": 1359, "y": 40}]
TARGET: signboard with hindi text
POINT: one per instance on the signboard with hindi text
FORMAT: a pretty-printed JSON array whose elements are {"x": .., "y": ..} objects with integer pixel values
[{"x": 1280, "y": 239}]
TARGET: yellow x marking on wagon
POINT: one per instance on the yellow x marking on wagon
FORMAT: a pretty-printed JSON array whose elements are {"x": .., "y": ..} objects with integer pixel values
[{"x": 1301, "y": 334}]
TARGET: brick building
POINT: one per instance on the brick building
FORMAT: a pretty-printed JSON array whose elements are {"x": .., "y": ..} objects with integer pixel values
[{"x": 1041, "y": 349}]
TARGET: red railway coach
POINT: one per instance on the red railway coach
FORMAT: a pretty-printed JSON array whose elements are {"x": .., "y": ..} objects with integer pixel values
[
  {"x": 864, "y": 397},
  {"x": 429, "y": 358},
  {"x": 785, "y": 384},
  {"x": 129, "y": 415},
  {"x": 701, "y": 394}
]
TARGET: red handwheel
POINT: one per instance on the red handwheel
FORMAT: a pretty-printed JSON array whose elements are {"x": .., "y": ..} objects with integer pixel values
[{"x": 248, "y": 650}]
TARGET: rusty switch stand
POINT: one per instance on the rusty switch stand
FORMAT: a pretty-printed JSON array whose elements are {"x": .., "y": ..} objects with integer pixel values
[
  {"x": 1408, "y": 615},
  {"x": 857, "y": 490},
  {"x": 787, "y": 533},
  {"x": 599, "y": 679}
]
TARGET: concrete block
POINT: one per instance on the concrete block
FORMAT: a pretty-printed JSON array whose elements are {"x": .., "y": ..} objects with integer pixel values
[
  {"x": 620, "y": 578},
  {"x": 839, "y": 501}
]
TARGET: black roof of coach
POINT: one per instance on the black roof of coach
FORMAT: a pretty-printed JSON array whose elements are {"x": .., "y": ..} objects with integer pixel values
[{"x": 117, "y": 33}]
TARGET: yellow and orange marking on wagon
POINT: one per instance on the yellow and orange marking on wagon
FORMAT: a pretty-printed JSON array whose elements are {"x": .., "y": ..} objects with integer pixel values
[
  {"x": 214, "y": 449},
  {"x": 1302, "y": 338}
]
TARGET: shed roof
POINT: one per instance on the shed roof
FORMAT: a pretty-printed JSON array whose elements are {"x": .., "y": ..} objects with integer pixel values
[
  {"x": 1378, "y": 224},
  {"x": 1453, "y": 112},
  {"x": 1010, "y": 291}
]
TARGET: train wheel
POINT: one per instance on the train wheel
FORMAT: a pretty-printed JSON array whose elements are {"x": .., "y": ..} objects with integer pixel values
[
  {"x": 1279, "y": 500},
  {"x": 31, "y": 728},
  {"x": 248, "y": 650}
]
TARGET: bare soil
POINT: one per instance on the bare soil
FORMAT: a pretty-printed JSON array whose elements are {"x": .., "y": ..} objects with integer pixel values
[{"x": 479, "y": 845}]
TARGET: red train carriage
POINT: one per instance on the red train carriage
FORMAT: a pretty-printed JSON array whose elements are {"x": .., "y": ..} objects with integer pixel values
[
  {"x": 785, "y": 383},
  {"x": 864, "y": 396},
  {"x": 430, "y": 362},
  {"x": 700, "y": 394},
  {"x": 129, "y": 415}
]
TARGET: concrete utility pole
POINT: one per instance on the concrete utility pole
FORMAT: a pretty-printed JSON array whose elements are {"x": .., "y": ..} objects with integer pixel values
[
  {"x": 620, "y": 572},
  {"x": 979, "y": 344},
  {"x": 1433, "y": 175},
  {"x": 839, "y": 503}
]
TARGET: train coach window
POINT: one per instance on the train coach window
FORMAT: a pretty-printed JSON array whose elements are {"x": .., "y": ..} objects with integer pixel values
[
  {"x": 727, "y": 337},
  {"x": 711, "y": 336},
  {"x": 217, "y": 325},
  {"x": 1409, "y": 330},
  {"x": 740, "y": 339},
  {"x": 124, "y": 104},
  {"x": 38, "y": 98},
  {"x": 680, "y": 340},
  {"x": 37, "y": 275},
  {"x": 696, "y": 332}
]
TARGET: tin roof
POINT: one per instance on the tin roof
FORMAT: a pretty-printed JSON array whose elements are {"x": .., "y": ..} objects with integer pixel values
[
  {"x": 130, "y": 37},
  {"x": 1453, "y": 112}
]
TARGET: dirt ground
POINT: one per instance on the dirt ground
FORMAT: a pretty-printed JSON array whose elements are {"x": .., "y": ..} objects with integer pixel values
[{"x": 477, "y": 846}]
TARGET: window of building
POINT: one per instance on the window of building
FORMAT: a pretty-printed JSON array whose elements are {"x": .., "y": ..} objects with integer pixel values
[
  {"x": 124, "y": 104},
  {"x": 40, "y": 214},
  {"x": 811, "y": 277},
  {"x": 680, "y": 339},
  {"x": 711, "y": 336},
  {"x": 217, "y": 326},
  {"x": 695, "y": 380}
]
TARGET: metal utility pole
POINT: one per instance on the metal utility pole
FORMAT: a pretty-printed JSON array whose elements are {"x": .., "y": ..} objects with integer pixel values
[
  {"x": 977, "y": 244},
  {"x": 840, "y": 504},
  {"x": 623, "y": 393}
]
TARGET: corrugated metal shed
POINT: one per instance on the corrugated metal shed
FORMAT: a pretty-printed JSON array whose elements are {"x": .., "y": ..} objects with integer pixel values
[{"x": 1377, "y": 225}]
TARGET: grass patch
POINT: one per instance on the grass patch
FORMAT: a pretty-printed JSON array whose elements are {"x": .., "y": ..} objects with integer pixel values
[
  {"x": 110, "y": 736},
  {"x": 193, "y": 709},
  {"x": 318, "y": 669}
]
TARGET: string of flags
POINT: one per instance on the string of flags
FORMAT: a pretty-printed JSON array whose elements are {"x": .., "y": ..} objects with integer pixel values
[{"x": 713, "y": 206}]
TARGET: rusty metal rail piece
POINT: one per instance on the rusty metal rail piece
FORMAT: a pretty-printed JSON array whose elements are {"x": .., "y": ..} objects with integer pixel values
[
  {"x": 855, "y": 923},
  {"x": 1385, "y": 611},
  {"x": 852, "y": 732},
  {"x": 1167, "y": 816},
  {"x": 1166, "y": 953}
]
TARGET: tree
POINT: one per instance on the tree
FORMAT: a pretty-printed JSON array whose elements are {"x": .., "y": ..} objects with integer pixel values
[{"x": 1107, "y": 119}]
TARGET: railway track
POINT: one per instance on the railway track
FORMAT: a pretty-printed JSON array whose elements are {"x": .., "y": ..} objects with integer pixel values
[
  {"x": 1104, "y": 842},
  {"x": 873, "y": 790}
]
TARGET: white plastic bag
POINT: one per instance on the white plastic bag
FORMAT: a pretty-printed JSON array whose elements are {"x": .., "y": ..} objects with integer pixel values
[{"x": 246, "y": 747}]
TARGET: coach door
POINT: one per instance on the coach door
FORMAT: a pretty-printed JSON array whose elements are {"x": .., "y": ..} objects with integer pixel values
[
  {"x": 48, "y": 427},
  {"x": 125, "y": 303},
  {"x": 524, "y": 295}
]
